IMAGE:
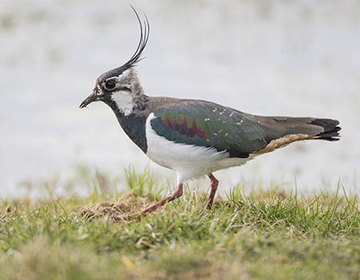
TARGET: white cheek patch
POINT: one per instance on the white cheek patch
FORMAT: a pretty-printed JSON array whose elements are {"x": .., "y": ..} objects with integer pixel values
[
  {"x": 124, "y": 101},
  {"x": 98, "y": 90}
]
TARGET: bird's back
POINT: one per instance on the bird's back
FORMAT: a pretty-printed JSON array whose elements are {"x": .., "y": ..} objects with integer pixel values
[{"x": 207, "y": 124}]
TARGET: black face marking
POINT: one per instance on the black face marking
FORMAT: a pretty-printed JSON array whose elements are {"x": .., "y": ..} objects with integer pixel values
[{"x": 124, "y": 89}]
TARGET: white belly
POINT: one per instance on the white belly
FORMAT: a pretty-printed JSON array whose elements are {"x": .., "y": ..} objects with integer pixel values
[{"x": 188, "y": 161}]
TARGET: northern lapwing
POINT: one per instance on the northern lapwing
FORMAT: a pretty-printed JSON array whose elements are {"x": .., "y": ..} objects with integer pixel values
[{"x": 195, "y": 137}]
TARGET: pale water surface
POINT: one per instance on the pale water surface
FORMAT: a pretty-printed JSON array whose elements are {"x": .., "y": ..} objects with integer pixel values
[{"x": 298, "y": 58}]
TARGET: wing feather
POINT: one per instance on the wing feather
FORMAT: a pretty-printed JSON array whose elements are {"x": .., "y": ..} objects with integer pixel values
[{"x": 206, "y": 124}]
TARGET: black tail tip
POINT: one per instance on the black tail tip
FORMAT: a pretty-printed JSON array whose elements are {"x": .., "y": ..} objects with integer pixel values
[{"x": 331, "y": 129}]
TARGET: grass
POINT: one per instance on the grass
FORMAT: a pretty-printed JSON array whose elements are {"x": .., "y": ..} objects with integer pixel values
[{"x": 261, "y": 235}]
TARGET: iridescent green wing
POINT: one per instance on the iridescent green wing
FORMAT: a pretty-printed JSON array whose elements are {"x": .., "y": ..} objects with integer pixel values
[{"x": 206, "y": 124}]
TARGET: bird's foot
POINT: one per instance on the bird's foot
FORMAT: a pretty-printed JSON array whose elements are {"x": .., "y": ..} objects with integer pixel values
[{"x": 134, "y": 217}]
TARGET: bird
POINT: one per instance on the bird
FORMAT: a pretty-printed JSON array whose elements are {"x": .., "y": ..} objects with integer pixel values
[{"x": 193, "y": 137}]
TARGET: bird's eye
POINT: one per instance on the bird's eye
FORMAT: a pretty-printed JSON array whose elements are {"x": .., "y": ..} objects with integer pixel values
[{"x": 110, "y": 84}]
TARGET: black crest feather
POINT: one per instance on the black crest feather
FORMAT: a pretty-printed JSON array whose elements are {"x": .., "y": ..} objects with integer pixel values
[
  {"x": 136, "y": 57},
  {"x": 144, "y": 37}
]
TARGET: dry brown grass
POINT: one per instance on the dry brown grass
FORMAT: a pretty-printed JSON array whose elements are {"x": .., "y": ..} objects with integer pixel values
[{"x": 108, "y": 210}]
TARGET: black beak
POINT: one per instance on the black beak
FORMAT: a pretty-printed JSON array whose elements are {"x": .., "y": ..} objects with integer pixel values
[{"x": 88, "y": 100}]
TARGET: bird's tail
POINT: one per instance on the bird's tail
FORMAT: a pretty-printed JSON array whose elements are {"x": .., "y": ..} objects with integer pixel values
[
  {"x": 281, "y": 131},
  {"x": 330, "y": 127}
]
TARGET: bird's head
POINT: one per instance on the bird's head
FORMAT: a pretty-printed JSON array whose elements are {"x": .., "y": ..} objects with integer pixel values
[{"x": 120, "y": 87}]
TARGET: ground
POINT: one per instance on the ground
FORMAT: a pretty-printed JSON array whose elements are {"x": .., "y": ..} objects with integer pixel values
[{"x": 258, "y": 235}]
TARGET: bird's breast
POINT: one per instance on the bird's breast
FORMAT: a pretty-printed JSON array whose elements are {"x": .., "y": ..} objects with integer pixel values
[{"x": 134, "y": 127}]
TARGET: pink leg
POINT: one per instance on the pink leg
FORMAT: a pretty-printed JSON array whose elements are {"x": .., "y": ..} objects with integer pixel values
[
  {"x": 214, "y": 184},
  {"x": 176, "y": 194}
]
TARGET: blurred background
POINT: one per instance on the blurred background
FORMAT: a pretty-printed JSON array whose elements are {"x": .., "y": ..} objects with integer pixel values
[{"x": 298, "y": 58}]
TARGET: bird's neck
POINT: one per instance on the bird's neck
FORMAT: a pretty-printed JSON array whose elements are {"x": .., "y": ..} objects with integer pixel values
[{"x": 129, "y": 108}]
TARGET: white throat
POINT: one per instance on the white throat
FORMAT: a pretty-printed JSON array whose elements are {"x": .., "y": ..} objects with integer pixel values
[{"x": 124, "y": 101}]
